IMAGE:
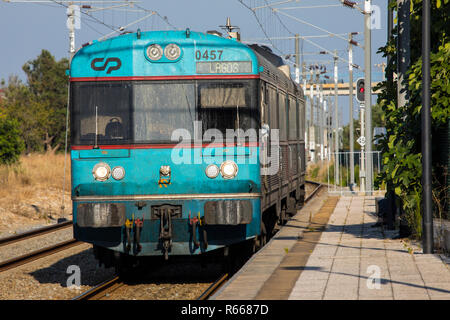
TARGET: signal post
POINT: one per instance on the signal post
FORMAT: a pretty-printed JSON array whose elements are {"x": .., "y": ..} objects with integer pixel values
[{"x": 360, "y": 91}]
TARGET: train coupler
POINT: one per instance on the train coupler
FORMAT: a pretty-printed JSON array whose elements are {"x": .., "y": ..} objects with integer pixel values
[{"x": 165, "y": 232}]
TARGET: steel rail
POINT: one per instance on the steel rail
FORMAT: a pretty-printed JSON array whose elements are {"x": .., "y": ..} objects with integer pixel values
[
  {"x": 313, "y": 193},
  {"x": 34, "y": 233},
  {"x": 35, "y": 255},
  {"x": 214, "y": 287},
  {"x": 99, "y": 291}
]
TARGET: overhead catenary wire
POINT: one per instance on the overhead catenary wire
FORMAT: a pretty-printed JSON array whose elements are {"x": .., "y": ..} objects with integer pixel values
[
  {"x": 123, "y": 28},
  {"x": 274, "y": 11},
  {"x": 312, "y": 25}
]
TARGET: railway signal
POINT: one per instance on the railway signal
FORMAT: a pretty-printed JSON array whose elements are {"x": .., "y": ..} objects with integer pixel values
[{"x": 360, "y": 90}]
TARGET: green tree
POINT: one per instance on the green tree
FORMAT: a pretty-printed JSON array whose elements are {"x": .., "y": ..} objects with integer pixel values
[
  {"x": 20, "y": 105},
  {"x": 39, "y": 106},
  {"x": 47, "y": 81}
]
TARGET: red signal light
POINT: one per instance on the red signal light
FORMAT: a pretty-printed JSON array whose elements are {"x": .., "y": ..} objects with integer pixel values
[{"x": 360, "y": 90}]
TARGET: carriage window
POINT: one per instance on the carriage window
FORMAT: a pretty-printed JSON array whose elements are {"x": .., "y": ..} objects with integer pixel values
[
  {"x": 282, "y": 114},
  {"x": 101, "y": 113},
  {"x": 292, "y": 119},
  {"x": 273, "y": 108},
  {"x": 226, "y": 105},
  {"x": 301, "y": 119}
]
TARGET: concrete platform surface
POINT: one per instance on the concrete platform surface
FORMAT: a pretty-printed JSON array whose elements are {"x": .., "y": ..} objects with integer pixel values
[
  {"x": 332, "y": 250},
  {"x": 354, "y": 260}
]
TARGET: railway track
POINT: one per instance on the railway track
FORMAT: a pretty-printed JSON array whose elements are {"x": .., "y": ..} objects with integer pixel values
[
  {"x": 35, "y": 233},
  {"x": 112, "y": 284},
  {"x": 313, "y": 193},
  {"x": 37, "y": 254}
]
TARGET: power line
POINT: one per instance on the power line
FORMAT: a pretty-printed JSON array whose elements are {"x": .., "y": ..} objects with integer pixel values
[
  {"x": 261, "y": 26},
  {"x": 312, "y": 25}
]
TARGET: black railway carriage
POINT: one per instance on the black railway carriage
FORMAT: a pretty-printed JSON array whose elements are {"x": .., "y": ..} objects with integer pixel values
[{"x": 282, "y": 107}]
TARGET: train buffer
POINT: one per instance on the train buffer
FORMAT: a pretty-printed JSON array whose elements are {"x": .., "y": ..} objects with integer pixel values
[{"x": 339, "y": 254}]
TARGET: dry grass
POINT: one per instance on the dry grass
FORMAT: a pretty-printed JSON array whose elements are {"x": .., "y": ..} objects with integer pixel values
[
  {"x": 318, "y": 171},
  {"x": 31, "y": 192}
]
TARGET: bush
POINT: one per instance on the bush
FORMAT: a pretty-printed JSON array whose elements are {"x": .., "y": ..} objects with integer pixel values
[{"x": 11, "y": 144}]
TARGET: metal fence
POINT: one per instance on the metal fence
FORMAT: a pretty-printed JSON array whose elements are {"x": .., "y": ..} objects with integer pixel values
[{"x": 343, "y": 184}]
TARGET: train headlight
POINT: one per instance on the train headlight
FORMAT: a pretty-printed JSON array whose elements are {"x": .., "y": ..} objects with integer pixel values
[
  {"x": 101, "y": 171},
  {"x": 118, "y": 173},
  {"x": 229, "y": 169},
  {"x": 154, "y": 52},
  {"x": 172, "y": 51},
  {"x": 212, "y": 171}
]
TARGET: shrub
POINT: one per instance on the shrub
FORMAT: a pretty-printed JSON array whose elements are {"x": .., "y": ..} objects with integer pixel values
[{"x": 11, "y": 144}]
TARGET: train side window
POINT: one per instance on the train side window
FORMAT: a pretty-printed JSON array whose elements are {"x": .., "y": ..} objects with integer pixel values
[
  {"x": 292, "y": 119},
  {"x": 264, "y": 104},
  {"x": 301, "y": 119},
  {"x": 299, "y": 124},
  {"x": 273, "y": 121},
  {"x": 282, "y": 115}
]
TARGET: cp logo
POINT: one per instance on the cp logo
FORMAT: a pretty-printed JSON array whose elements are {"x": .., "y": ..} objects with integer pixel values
[{"x": 117, "y": 65}]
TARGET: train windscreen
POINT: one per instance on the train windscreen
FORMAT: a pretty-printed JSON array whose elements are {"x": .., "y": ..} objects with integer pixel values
[
  {"x": 101, "y": 113},
  {"x": 150, "y": 111}
]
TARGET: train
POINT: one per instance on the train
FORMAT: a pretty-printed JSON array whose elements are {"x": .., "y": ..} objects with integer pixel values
[{"x": 182, "y": 143}]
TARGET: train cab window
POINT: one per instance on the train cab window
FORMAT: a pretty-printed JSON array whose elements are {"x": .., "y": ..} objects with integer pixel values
[
  {"x": 161, "y": 108},
  {"x": 101, "y": 113},
  {"x": 292, "y": 119},
  {"x": 282, "y": 115}
]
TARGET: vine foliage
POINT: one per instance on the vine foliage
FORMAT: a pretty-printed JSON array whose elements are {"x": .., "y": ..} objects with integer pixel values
[{"x": 401, "y": 146}]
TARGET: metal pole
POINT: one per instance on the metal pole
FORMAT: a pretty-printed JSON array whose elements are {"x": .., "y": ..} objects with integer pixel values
[
  {"x": 305, "y": 93},
  {"x": 368, "y": 94},
  {"x": 317, "y": 117},
  {"x": 336, "y": 122},
  {"x": 325, "y": 130},
  {"x": 350, "y": 93},
  {"x": 362, "y": 169},
  {"x": 403, "y": 51},
  {"x": 297, "y": 59},
  {"x": 71, "y": 24},
  {"x": 321, "y": 116},
  {"x": 426, "y": 132},
  {"x": 311, "y": 117},
  {"x": 390, "y": 23}
]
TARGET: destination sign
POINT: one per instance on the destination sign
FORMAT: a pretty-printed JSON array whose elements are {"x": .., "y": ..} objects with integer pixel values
[{"x": 224, "y": 67}]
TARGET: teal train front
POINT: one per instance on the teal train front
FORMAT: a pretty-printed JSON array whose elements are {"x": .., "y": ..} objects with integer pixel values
[{"x": 166, "y": 132}]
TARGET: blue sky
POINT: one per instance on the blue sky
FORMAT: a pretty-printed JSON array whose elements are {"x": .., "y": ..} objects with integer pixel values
[{"x": 28, "y": 28}]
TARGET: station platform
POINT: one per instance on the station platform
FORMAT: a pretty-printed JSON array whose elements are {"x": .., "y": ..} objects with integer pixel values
[{"x": 332, "y": 250}]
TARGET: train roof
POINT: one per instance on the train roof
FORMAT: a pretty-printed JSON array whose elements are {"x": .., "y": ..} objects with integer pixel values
[
  {"x": 126, "y": 56},
  {"x": 271, "y": 72}
]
